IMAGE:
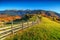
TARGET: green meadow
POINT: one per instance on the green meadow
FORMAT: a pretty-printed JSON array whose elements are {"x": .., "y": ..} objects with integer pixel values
[{"x": 45, "y": 30}]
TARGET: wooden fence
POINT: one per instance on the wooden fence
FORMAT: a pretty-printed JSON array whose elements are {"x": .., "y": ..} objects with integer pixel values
[{"x": 5, "y": 31}]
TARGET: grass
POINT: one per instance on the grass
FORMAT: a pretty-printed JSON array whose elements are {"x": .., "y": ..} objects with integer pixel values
[{"x": 46, "y": 30}]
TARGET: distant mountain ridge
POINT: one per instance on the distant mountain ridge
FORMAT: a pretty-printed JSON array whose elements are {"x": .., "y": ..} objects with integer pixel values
[{"x": 22, "y": 12}]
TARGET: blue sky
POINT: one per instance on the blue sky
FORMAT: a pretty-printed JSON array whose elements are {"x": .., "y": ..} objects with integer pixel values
[{"x": 50, "y": 5}]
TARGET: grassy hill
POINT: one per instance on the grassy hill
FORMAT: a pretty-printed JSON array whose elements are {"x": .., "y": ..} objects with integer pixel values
[{"x": 46, "y": 30}]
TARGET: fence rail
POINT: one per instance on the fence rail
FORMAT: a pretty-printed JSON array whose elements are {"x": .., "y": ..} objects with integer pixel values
[{"x": 5, "y": 31}]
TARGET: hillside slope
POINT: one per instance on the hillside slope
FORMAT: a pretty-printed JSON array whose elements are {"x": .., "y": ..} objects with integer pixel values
[{"x": 46, "y": 30}]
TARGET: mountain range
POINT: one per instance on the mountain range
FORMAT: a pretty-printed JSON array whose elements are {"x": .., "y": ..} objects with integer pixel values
[{"x": 22, "y": 12}]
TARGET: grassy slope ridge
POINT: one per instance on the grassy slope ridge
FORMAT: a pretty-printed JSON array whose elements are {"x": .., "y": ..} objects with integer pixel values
[{"x": 46, "y": 30}]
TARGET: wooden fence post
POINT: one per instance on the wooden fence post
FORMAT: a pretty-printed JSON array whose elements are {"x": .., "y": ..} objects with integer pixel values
[
  {"x": 27, "y": 23},
  {"x": 22, "y": 24},
  {"x": 32, "y": 22},
  {"x": 12, "y": 27},
  {"x": 37, "y": 20}
]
